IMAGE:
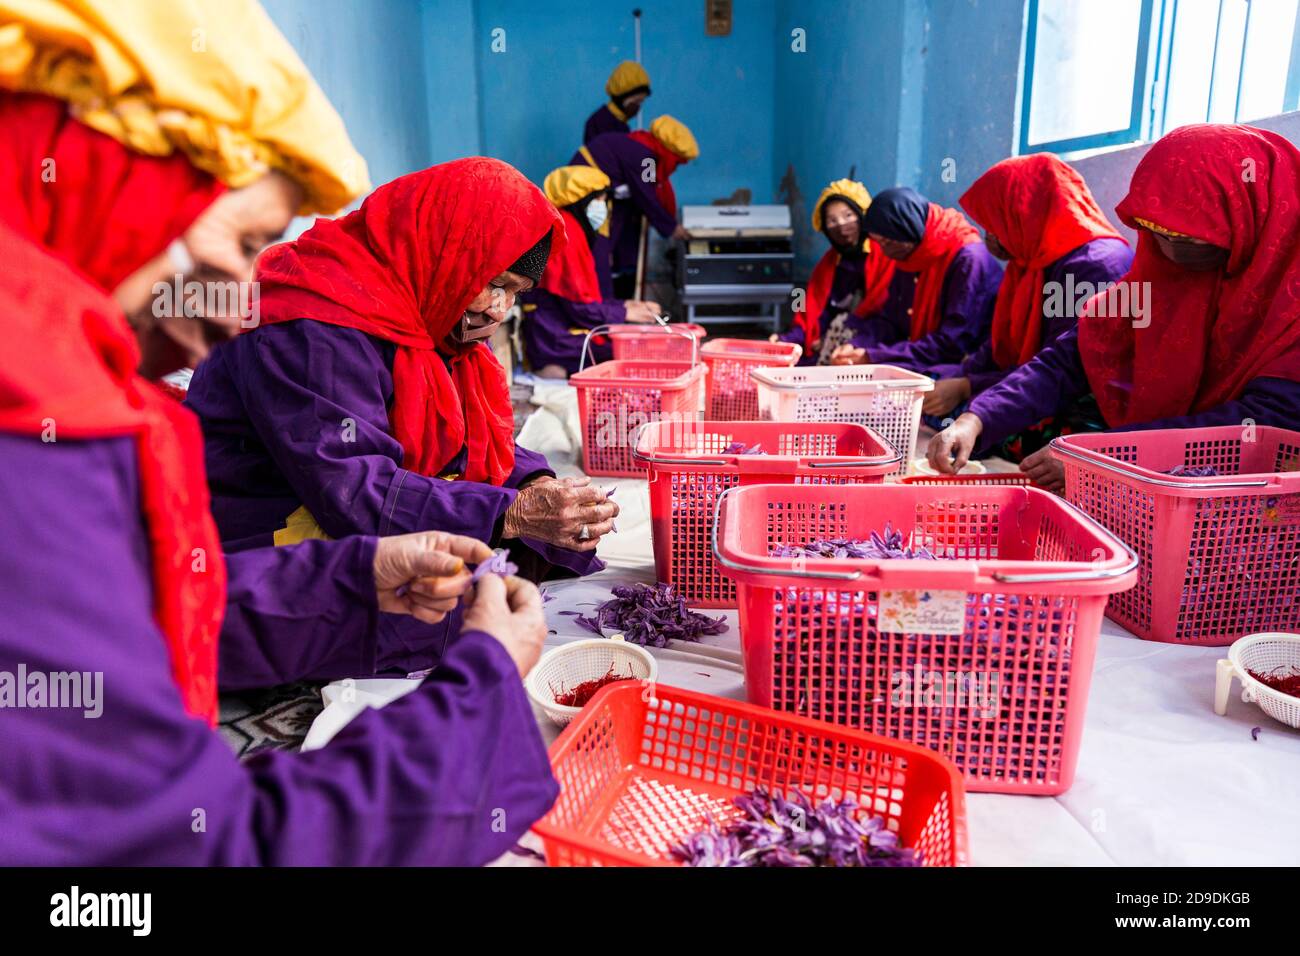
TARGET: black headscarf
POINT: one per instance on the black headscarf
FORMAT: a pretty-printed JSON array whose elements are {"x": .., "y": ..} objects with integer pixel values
[
  {"x": 898, "y": 214},
  {"x": 533, "y": 262}
]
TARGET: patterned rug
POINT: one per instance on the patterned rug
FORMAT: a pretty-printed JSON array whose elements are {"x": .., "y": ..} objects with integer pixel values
[{"x": 275, "y": 719}]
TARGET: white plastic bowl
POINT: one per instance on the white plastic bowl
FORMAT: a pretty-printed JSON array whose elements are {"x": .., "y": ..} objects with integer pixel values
[
  {"x": 1261, "y": 653},
  {"x": 922, "y": 466},
  {"x": 569, "y": 665}
]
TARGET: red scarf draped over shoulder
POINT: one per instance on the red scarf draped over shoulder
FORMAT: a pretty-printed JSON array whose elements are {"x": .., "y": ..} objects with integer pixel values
[
  {"x": 666, "y": 163},
  {"x": 571, "y": 272},
  {"x": 69, "y": 358},
  {"x": 403, "y": 268},
  {"x": 1204, "y": 335},
  {"x": 96, "y": 204},
  {"x": 877, "y": 273},
  {"x": 1039, "y": 209},
  {"x": 946, "y": 233}
]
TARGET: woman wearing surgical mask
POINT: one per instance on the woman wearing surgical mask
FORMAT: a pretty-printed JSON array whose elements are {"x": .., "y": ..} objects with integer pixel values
[
  {"x": 1204, "y": 329},
  {"x": 368, "y": 402},
  {"x": 575, "y": 295},
  {"x": 850, "y": 281},
  {"x": 627, "y": 88}
]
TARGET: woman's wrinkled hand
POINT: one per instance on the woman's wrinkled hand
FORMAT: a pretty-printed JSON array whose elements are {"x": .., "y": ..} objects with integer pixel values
[
  {"x": 509, "y": 609},
  {"x": 428, "y": 569},
  {"x": 558, "y": 511},
  {"x": 951, "y": 448},
  {"x": 849, "y": 355},
  {"x": 1045, "y": 470}
]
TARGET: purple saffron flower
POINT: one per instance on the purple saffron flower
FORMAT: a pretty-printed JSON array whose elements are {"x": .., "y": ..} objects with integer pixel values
[
  {"x": 1254, "y": 732},
  {"x": 499, "y": 563},
  {"x": 650, "y": 615}
]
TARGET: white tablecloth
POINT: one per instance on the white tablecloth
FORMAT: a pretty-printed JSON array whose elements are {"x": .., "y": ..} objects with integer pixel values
[{"x": 1162, "y": 780}]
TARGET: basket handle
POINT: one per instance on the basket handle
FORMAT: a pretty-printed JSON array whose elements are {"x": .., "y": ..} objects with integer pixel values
[
  {"x": 586, "y": 343},
  {"x": 1098, "y": 461},
  {"x": 755, "y": 569},
  {"x": 859, "y": 462},
  {"x": 663, "y": 323},
  {"x": 1102, "y": 574},
  {"x": 1223, "y": 672}
]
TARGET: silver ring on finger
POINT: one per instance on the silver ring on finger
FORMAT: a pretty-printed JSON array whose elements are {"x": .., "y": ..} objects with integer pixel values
[{"x": 585, "y": 534}]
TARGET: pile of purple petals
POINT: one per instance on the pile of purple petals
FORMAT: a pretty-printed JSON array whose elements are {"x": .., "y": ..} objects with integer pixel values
[
  {"x": 879, "y": 547},
  {"x": 739, "y": 448},
  {"x": 775, "y": 831},
  {"x": 1193, "y": 471},
  {"x": 499, "y": 563},
  {"x": 649, "y": 615}
]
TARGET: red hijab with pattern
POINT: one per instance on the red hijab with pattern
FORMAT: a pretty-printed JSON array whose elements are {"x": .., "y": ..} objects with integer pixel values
[
  {"x": 1039, "y": 209},
  {"x": 403, "y": 268},
  {"x": 1205, "y": 335}
]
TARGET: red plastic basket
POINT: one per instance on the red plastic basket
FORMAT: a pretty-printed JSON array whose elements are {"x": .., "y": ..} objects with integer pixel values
[
  {"x": 638, "y": 776},
  {"x": 733, "y": 397},
  {"x": 985, "y": 657},
  {"x": 1220, "y": 556},
  {"x": 688, "y": 470},
  {"x": 615, "y": 399},
  {"x": 656, "y": 343}
]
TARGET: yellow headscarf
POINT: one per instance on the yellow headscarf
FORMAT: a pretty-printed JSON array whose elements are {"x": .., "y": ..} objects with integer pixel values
[
  {"x": 676, "y": 136},
  {"x": 569, "y": 184},
  {"x": 849, "y": 189},
  {"x": 213, "y": 78},
  {"x": 627, "y": 76}
]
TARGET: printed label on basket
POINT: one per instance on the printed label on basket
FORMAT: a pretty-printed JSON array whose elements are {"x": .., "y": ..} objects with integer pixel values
[
  {"x": 1283, "y": 508},
  {"x": 922, "y": 611}
]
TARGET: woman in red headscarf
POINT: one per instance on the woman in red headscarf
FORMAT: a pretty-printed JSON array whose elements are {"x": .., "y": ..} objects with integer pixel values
[
  {"x": 1203, "y": 330},
  {"x": 111, "y": 570},
  {"x": 368, "y": 401},
  {"x": 1039, "y": 217},
  {"x": 940, "y": 302}
]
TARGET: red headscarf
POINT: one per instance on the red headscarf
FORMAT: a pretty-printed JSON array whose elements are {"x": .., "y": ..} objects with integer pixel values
[
  {"x": 666, "y": 163},
  {"x": 96, "y": 204},
  {"x": 946, "y": 233},
  {"x": 877, "y": 273},
  {"x": 1039, "y": 209},
  {"x": 1209, "y": 333},
  {"x": 571, "y": 271},
  {"x": 70, "y": 357},
  {"x": 403, "y": 268}
]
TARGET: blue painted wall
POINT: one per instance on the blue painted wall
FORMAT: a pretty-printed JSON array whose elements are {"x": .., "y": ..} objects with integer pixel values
[
  {"x": 451, "y": 40},
  {"x": 368, "y": 57},
  {"x": 537, "y": 93}
]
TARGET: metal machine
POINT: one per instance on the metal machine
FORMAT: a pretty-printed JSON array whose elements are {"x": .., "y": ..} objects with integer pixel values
[{"x": 737, "y": 255}]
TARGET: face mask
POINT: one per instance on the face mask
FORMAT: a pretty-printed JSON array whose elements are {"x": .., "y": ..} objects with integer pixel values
[
  {"x": 474, "y": 327},
  {"x": 597, "y": 213},
  {"x": 1194, "y": 257}
]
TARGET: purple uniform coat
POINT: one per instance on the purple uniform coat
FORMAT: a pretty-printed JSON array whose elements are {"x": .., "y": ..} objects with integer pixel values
[
  {"x": 603, "y": 121},
  {"x": 1054, "y": 379},
  {"x": 969, "y": 290},
  {"x": 453, "y": 773},
  {"x": 623, "y": 160},
  {"x": 552, "y": 327},
  {"x": 846, "y": 282},
  {"x": 296, "y": 414},
  {"x": 1095, "y": 262}
]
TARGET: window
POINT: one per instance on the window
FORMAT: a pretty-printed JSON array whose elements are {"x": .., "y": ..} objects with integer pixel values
[{"x": 1110, "y": 72}]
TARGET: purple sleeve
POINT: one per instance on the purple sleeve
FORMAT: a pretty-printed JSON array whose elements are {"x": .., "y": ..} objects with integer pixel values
[
  {"x": 642, "y": 193},
  {"x": 589, "y": 315},
  {"x": 453, "y": 773},
  {"x": 1266, "y": 401},
  {"x": 321, "y": 393},
  {"x": 303, "y": 612},
  {"x": 1053, "y": 379},
  {"x": 969, "y": 290}
]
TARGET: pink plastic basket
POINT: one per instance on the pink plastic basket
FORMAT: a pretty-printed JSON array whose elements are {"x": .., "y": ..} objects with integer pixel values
[
  {"x": 1220, "y": 556},
  {"x": 616, "y": 398},
  {"x": 656, "y": 343},
  {"x": 688, "y": 469},
  {"x": 732, "y": 394},
  {"x": 993, "y": 478},
  {"x": 637, "y": 776},
  {"x": 885, "y": 399},
  {"x": 985, "y": 657}
]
